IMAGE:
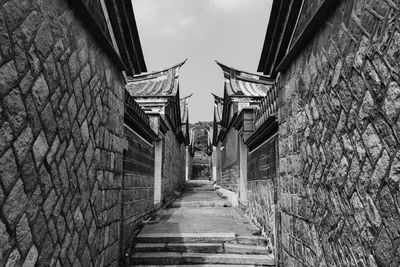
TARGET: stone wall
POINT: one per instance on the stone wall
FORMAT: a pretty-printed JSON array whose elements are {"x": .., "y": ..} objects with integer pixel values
[
  {"x": 261, "y": 186},
  {"x": 228, "y": 170},
  {"x": 229, "y": 178},
  {"x": 230, "y": 151},
  {"x": 261, "y": 207},
  {"x": 339, "y": 141},
  {"x": 174, "y": 160},
  {"x": 138, "y": 184},
  {"x": 61, "y": 130}
]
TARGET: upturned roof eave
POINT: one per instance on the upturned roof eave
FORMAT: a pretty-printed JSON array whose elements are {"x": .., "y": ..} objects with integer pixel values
[
  {"x": 137, "y": 77},
  {"x": 265, "y": 78}
]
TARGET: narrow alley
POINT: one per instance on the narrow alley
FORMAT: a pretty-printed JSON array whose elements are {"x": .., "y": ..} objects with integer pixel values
[
  {"x": 200, "y": 227},
  {"x": 124, "y": 142}
]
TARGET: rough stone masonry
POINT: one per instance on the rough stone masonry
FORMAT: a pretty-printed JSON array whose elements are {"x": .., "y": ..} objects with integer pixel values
[
  {"x": 61, "y": 129},
  {"x": 339, "y": 141}
]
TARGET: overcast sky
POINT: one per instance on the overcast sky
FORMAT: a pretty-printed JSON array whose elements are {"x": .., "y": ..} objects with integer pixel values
[{"x": 230, "y": 31}]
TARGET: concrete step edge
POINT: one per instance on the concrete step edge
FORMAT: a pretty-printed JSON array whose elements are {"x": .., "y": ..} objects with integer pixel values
[
  {"x": 180, "y": 247},
  {"x": 230, "y": 248},
  {"x": 200, "y": 258},
  {"x": 199, "y": 204},
  {"x": 184, "y": 237},
  {"x": 252, "y": 240},
  {"x": 198, "y": 265},
  {"x": 224, "y": 248}
]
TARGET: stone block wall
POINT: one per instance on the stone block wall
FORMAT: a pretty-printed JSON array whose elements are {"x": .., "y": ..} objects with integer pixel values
[
  {"x": 137, "y": 184},
  {"x": 261, "y": 207},
  {"x": 61, "y": 132},
  {"x": 339, "y": 141},
  {"x": 261, "y": 186},
  {"x": 228, "y": 169},
  {"x": 229, "y": 178},
  {"x": 174, "y": 160}
]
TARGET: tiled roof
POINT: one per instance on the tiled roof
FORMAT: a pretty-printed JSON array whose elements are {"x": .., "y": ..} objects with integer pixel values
[
  {"x": 161, "y": 83},
  {"x": 240, "y": 83},
  {"x": 131, "y": 103},
  {"x": 218, "y": 107},
  {"x": 184, "y": 105},
  {"x": 210, "y": 136}
]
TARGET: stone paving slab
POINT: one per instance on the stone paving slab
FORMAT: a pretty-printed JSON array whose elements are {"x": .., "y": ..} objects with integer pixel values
[
  {"x": 157, "y": 237},
  {"x": 194, "y": 204},
  {"x": 180, "y": 247},
  {"x": 200, "y": 211},
  {"x": 197, "y": 235},
  {"x": 201, "y": 220},
  {"x": 201, "y": 258},
  {"x": 245, "y": 249},
  {"x": 198, "y": 265},
  {"x": 227, "y": 258},
  {"x": 197, "y": 195}
]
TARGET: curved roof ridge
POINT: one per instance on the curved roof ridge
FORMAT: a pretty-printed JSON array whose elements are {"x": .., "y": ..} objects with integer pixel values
[
  {"x": 184, "y": 106},
  {"x": 160, "y": 83},
  {"x": 227, "y": 70},
  {"x": 217, "y": 98},
  {"x": 176, "y": 66},
  {"x": 245, "y": 84}
]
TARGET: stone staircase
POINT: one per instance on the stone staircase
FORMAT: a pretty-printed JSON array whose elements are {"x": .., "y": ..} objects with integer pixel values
[
  {"x": 161, "y": 244},
  {"x": 205, "y": 248}
]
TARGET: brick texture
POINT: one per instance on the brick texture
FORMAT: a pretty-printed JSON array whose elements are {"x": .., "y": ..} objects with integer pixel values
[
  {"x": 339, "y": 142},
  {"x": 61, "y": 130}
]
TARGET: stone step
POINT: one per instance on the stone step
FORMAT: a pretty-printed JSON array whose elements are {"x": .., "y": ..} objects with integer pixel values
[
  {"x": 199, "y": 189},
  {"x": 185, "y": 238},
  {"x": 198, "y": 204},
  {"x": 201, "y": 248},
  {"x": 252, "y": 240},
  {"x": 180, "y": 247},
  {"x": 165, "y": 258},
  {"x": 198, "y": 265},
  {"x": 245, "y": 249}
]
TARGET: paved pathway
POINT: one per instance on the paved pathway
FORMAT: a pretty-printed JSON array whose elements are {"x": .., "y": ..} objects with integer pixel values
[
  {"x": 200, "y": 228},
  {"x": 200, "y": 210}
]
